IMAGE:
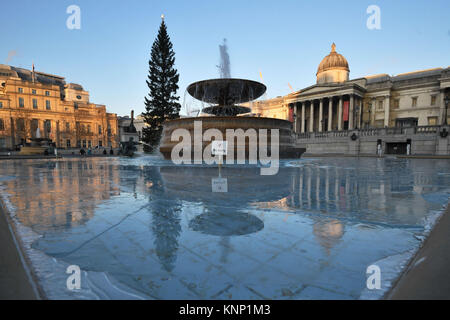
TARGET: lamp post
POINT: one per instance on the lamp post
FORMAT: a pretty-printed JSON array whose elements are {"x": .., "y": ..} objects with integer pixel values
[{"x": 446, "y": 101}]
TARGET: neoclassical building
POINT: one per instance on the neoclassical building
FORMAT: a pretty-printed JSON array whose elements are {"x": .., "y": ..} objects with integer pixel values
[
  {"x": 337, "y": 103},
  {"x": 30, "y": 99}
]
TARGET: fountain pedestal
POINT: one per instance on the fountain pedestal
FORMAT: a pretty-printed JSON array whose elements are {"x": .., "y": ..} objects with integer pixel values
[{"x": 225, "y": 95}]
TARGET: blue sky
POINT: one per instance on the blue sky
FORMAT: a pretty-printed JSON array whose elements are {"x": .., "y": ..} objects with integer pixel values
[{"x": 285, "y": 40}]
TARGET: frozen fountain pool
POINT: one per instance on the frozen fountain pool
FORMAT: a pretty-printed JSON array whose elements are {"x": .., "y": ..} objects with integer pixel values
[{"x": 144, "y": 228}]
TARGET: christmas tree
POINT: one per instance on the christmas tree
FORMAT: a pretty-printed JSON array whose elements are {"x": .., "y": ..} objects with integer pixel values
[{"x": 162, "y": 102}]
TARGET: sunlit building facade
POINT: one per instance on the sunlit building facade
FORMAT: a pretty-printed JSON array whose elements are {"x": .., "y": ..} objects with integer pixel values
[
  {"x": 62, "y": 111},
  {"x": 337, "y": 103}
]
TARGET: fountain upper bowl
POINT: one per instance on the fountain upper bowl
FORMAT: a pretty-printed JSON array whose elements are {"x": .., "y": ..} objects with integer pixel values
[{"x": 226, "y": 91}]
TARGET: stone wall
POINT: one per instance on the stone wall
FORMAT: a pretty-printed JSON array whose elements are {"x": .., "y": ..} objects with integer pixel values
[{"x": 425, "y": 140}]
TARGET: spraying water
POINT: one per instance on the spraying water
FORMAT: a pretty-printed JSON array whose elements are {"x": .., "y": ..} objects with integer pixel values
[{"x": 224, "y": 67}]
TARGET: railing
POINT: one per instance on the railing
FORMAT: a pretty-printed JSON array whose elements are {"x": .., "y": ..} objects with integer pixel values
[
  {"x": 371, "y": 132},
  {"x": 303, "y": 135},
  {"x": 426, "y": 129},
  {"x": 395, "y": 130}
]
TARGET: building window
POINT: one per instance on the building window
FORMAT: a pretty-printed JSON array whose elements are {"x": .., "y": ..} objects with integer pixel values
[
  {"x": 75, "y": 105},
  {"x": 89, "y": 128},
  {"x": 380, "y": 105},
  {"x": 68, "y": 143},
  {"x": 2, "y": 125},
  {"x": 432, "y": 121},
  {"x": 47, "y": 93},
  {"x": 20, "y": 124},
  {"x": 100, "y": 143},
  {"x": 433, "y": 100},
  {"x": 1, "y": 104},
  {"x": 99, "y": 129},
  {"x": 20, "y": 90},
  {"x": 396, "y": 103},
  {"x": 84, "y": 143},
  {"x": 89, "y": 144},
  {"x": 78, "y": 143},
  {"x": 34, "y": 125},
  {"x": 33, "y": 91},
  {"x": 414, "y": 101},
  {"x": 47, "y": 105},
  {"x": 67, "y": 126},
  {"x": 21, "y": 103},
  {"x": 35, "y": 104},
  {"x": 48, "y": 126}
]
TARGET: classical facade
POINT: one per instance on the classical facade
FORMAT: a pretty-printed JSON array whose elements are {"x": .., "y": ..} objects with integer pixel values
[
  {"x": 62, "y": 112},
  {"x": 336, "y": 103}
]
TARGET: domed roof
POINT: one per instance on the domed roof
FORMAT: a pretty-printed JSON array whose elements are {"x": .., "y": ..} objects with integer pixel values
[{"x": 333, "y": 61}]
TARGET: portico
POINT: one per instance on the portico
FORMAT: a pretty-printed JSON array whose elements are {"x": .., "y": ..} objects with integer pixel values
[{"x": 330, "y": 110}]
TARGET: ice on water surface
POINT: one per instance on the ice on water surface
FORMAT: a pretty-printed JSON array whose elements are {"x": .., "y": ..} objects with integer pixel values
[{"x": 145, "y": 228}]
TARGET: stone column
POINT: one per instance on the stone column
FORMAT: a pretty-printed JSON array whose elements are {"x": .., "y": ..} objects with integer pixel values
[
  {"x": 351, "y": 115},
  {"x": 321, "y": 115},
  {"x": 294, "y": 112},
  {"x": 330, "y": 114},
  {"x": 360, "y": 112},
  {"x": 441, "y": 108},
  {"x": 340, "y": 114},
  {"x": 373, "y": 110},
  {"x": 303, "y": 117},
  {"x": 311, "y": 116},
  {"x": 386, "y": 111}
]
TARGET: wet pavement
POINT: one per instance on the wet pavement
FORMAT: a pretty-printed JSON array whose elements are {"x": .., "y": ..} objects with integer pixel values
[{"x": 145, "y": 228}]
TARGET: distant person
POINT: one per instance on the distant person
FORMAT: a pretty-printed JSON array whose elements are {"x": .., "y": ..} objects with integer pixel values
[
  {"x": 104, "y": 152},
  {"x": 111, "y": 152},
  {"x": 82, "y": 152},
  {"x": 89, "y": 152}
]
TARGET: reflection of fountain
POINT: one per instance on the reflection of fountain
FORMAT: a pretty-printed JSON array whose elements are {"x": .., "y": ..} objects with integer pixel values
[
  {"x": 223, "y": 215},
  {"x": 226, "y": 224},
  {"x": 38, "y": 145},
  {"x": 224, "y": 97}
]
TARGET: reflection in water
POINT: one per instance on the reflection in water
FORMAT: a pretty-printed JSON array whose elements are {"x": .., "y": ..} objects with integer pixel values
[
  {"x": 226, "y": 223},
  {"x": 63, "y": 194},
  {"x": 328, "y": 233},
  {"x": 136, "y": 220},
  {"x": 166, "y": 226}
]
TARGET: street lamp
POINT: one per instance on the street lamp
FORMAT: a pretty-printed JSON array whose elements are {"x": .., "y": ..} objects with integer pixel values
[{"x": 446, "y": 101}]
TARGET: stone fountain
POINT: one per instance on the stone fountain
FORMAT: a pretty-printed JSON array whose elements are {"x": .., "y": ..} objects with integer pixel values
[
  {"x": 38, "y": 145},
  {"x": 226, "y": 99}
]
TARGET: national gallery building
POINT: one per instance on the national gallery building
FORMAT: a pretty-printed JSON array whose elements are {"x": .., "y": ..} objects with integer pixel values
[
  {"x": 63, "y": 113},
  {"x": 336, "y": 103}
]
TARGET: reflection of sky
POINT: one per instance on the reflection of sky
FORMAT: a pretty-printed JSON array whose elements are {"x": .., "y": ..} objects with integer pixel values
[{"x": 308, "y": 232}]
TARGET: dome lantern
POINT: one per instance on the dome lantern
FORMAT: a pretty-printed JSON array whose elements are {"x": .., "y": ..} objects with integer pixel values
[{"x": 333, "y": 68}]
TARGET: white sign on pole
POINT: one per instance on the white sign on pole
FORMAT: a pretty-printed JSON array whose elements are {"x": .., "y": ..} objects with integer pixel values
[
  {"x": 219, "y": 185},
  {"x": 219, "y": 148}
]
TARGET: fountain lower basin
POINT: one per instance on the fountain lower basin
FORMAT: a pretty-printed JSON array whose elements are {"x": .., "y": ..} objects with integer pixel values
[{"x": 285, "y": 142}]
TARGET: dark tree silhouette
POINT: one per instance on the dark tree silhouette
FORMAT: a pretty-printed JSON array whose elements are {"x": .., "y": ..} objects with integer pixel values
[{"x": 162, "y": 103}]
